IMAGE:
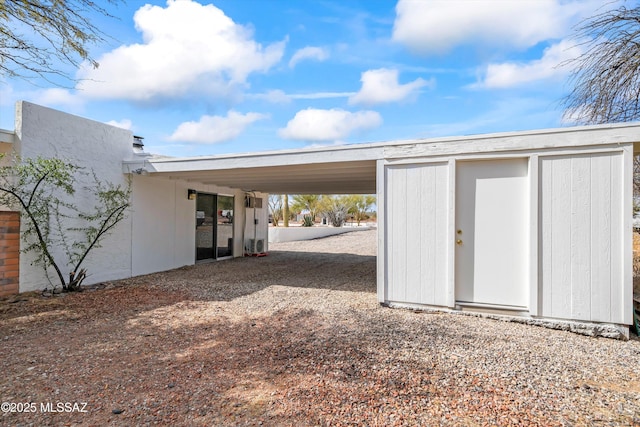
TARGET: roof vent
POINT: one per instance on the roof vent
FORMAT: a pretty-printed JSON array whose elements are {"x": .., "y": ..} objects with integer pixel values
[{"x": 137, "y": 142}]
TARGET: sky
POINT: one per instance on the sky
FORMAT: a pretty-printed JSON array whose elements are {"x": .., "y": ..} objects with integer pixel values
[{"x": 233, "y": 76}]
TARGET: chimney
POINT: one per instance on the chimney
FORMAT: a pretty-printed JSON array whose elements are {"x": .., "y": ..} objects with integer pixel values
[{"x": 138, "y": 145}]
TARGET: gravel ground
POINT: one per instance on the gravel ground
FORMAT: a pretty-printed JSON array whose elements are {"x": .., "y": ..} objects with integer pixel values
[{"x": 296, "y": 338}]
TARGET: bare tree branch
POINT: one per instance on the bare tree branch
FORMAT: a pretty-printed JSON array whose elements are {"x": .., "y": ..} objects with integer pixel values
[
  {"x": 37, "y": 36},
  {"x": 606, "y": 77}
]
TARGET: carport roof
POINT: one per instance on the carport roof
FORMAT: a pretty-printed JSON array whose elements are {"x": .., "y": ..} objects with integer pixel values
[{"x": 351, "y": 169}]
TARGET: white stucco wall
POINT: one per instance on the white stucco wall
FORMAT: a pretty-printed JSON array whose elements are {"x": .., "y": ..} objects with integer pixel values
[
  {"x": 159, "y": 231},
  {"x": 163, "y": 229},
  {"x": 93, "y": 145},
  {"x": 291, "y": 234}
]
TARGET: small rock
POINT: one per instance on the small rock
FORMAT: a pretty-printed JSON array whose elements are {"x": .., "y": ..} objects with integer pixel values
[{"x": 117, "y": 411}]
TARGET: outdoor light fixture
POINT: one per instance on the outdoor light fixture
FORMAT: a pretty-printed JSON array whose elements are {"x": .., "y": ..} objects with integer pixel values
[{"x": 191, "y": 194}]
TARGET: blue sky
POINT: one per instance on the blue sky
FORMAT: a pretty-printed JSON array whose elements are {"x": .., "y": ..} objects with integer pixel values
[{"x": 231, "y": 76}]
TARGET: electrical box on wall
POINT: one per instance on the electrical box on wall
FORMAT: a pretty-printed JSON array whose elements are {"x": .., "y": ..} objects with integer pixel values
[{"x": 253, "y": 202}]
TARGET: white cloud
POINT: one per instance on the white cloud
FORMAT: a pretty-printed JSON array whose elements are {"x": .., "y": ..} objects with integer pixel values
[
  {"x": 327, "y": 125},
  {"x": 381, "y": 86},
  {"x": 511, "y": 74},
  {"x": 7, "y": 94},
  {"x": 438, "y": 26},
  {"x": 321, "y": 95},
  {"x": 309, "y": 52},
  {"x": 275, "y": 96},
  {"x": 124, "y": 123},
  {"x": 187, "y": 48},
  {"x": 214, "y": 129},
  {"x": 58, "y": 97},
  {"x": 278, "y": 96}
]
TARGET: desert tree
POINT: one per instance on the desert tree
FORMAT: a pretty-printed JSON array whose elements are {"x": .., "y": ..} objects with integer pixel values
[
  {"x": 335, "y": 209},
  {"x": 359, "y": 204},
  {"x": 37, "y": 36},
  {"x": 306, "y": 202},
  {"x": 275, "y": 208},
  {"x": 40, "y": 188}
]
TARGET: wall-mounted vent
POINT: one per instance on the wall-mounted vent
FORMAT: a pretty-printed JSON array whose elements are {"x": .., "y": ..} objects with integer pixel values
[{"x": 253, "y": 202}]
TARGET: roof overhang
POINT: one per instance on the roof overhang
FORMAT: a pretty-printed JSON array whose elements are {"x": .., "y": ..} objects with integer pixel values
[
  {"x": 326, "y": 170},
  {"x": 351, "y": 169},
  {"x": 7, "y": 136}
]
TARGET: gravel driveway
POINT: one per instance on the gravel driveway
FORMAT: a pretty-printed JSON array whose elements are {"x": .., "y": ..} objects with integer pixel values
[{"x": 296, "y": 338}]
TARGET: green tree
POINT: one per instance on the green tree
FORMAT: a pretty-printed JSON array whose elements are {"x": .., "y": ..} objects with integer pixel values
[
  {"x": 358, "y": 205},
  {"x": 38, "y": 188},
  {"x": 335, "y": 208},
  {"x": 37, "y": 36},
  {"x": 308, "y": 202}
]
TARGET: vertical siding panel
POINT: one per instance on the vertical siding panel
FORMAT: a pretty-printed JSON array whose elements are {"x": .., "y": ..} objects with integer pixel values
[
  {"x": 561, "y": 238},
  {"x": 581, "y": 237},
  {"x": 601, "y": 206},
  {"x": 441, "y": 231},
  {"x": 546, "y": 233},
  {"x": 403, "y": 233},
  {"x": 427, "y": 236},
  {"x": 392, "y": 239},
  {"x": 618, "y": 214},
  {"x": 398, "y": 234},
  {"x": 382, "y": 267},
  {"x": 391, "y": 284},
  {"x": 416, "y": 243},
  {"x": 534, "y": 260},
  {"x": 413, "y": 206}
]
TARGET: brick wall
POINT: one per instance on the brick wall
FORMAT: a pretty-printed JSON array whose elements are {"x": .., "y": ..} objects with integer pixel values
[{"x": 9, "y": 252}]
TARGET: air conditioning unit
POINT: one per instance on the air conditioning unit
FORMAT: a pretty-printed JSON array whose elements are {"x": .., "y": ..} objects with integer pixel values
[{"x": 254, "y": 246}]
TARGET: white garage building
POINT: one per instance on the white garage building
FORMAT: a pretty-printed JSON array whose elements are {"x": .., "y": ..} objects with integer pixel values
[{"x": 533, "y": 224}]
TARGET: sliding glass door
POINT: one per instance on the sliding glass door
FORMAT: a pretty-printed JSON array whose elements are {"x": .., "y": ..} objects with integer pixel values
[{"x": 214, "y": 226}]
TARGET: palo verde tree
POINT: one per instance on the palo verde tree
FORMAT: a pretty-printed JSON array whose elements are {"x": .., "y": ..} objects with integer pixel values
[
  {"x": 40, "y": 188},
  {"x": 37, "y": 36},
  {"x": 306, "y": 202},
  {"x": 359, "y": 204}
]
